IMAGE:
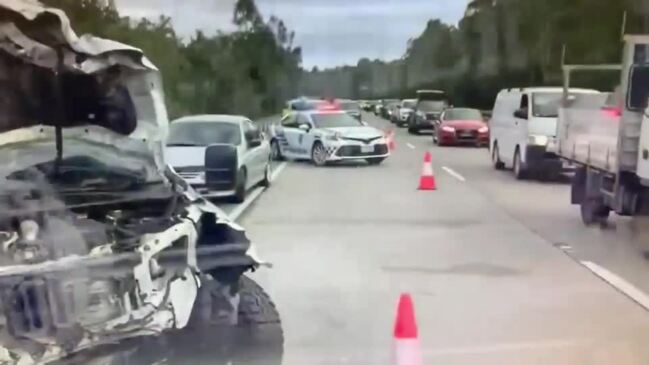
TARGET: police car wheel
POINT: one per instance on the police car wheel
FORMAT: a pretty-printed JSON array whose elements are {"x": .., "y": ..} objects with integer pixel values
[
  {"x": 319, "y": 154},
  {"x": 275, "y": 151}
]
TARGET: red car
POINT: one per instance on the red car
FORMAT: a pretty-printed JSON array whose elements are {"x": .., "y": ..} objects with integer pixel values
[{"x": 458, "y": 126}]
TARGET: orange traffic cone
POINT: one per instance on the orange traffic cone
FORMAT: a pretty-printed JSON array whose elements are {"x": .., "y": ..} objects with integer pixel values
[
  {"x": 427, "y": 179},
  {"x": 391, "y": 144},
  {"x": 407, "y": 350}
]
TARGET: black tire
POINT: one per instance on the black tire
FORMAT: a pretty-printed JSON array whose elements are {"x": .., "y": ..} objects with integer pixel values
[
  {"x": 495, "y": 158},
  {"x": 266, "y": 182},
  {"x": 519, "y": 169},
  {"x": 316, "y": 158},
  {"x": 593, "y": 211},
  {"x": 413, "y": 130},
  {"x": 375, "y": 160},
  {"x": 275, "y": 151},
  {"x": 435, "y": 138},
  {"x": 240, "y": 187},
  {"x": 257, "y": 338}
]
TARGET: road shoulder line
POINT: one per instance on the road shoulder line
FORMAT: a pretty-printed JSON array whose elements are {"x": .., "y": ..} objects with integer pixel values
[
  {"x": 256, "y": 193},
  {"x": 454, "y": 173},
  {"x": 618, "y": 283}
]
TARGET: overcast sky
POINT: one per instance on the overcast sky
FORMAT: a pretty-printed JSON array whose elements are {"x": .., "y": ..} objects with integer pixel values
[{"x": 331, "y": 32}]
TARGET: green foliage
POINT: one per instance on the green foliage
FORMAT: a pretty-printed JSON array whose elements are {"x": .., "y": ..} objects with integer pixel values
[
  {"x": 250, "y": 71},
  {"x": 504, "y": 43}
]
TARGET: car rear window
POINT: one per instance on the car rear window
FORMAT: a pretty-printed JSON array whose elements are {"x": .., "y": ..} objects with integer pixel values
[{"x": 203, "y": 133}]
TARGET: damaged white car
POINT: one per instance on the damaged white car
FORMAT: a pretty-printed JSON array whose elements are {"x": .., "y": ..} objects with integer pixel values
[{"x": 99, "y": 240}]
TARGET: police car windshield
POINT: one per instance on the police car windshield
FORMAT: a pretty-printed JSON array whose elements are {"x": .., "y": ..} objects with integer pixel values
[
  {"x": 349, "y": 105},
  {"x": 334, "y": 120},
  {"x": 203, "y": 133},
  {"x": 463, "y": 114}
]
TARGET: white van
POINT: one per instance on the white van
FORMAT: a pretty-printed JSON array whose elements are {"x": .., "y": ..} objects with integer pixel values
[{"x": 524, "y": 121}]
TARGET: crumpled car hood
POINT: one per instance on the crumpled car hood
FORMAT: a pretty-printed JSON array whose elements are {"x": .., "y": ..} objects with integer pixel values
[{"x": 37, "y": 35}]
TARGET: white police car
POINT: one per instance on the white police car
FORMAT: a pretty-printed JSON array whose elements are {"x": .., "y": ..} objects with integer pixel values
[{"x": 327, "y": 136}]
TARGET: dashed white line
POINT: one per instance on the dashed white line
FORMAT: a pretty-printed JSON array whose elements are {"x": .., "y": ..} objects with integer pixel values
[
  {"x": 241, "y": 208},
  {"x": 453, "y": 173},
  {"x": 410, "y": 145},
  {"x": 277, "y": 171},
  {"x": 236, "y": 212},
  {"x": 618, "y": 283}
]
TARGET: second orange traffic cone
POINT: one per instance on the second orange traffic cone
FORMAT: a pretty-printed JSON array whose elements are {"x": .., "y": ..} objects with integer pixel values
[
  {"x": 407, "y": 350},
  {"x": 427, "y": 179},
  {"x": 389, "y": 135}
]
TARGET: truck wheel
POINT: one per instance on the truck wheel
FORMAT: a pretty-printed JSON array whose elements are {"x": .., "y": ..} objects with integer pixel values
[
  {"x": 593, "y": 211},
  {"x": 519, "y": 170}
]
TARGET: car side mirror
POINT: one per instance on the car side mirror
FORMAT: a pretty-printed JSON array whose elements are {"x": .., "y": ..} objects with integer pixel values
[
  {"x": 305, "y": 127},
  {"x": 521, "y": 113}
]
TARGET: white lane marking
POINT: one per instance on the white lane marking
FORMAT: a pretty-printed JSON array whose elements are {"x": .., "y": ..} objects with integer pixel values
[
  {"x": 453, "y": 173},
  {"x": 241, "y": 208},
  {"x": 618, "y": 283},
  {"x": 277, "y": 171},
  {"x": 412, "y": 147},
  {"x": 236, "y": 212},
  {"x": 504, "y": 347}
]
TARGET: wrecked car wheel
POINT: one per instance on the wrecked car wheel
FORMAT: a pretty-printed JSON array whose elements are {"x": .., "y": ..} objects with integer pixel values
[{"x": 257, "y": 338}]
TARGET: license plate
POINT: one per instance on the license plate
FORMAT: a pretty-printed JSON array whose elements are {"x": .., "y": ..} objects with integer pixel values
[
  {"x": 367, "y": 149},
  {"x": 467, "y": 134}
]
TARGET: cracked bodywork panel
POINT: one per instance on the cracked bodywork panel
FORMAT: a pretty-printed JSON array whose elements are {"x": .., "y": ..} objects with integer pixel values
[{"x": 99, "y": 239}]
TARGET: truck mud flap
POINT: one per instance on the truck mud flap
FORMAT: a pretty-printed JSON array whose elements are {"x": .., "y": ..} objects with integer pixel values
[
  {"x": 578, "y": 188},
  {"x": 221, "y": 167}
]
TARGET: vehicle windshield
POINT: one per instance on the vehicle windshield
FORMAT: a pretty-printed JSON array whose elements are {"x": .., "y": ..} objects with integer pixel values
[
  {"x": 203, "y": 133},
  {"x": 334, "y": 120},
  {"x": 546, "y": 105},
  {"x": 349, "y": 105},
  {"x": 409, "y": 104},
  {"x": 431, "y": 105},
  {"x": 462, "y": 114}
]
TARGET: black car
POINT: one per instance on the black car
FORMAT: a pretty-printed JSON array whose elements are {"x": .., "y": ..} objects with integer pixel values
[
  {"x": 426, "y": 114},
  {"x": 386, "y": 107}
]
